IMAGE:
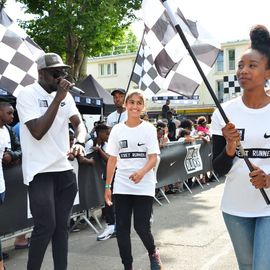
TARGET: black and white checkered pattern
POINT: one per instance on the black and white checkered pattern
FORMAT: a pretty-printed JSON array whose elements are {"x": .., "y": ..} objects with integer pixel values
[
  {"x": 145, "y": 74},
  {"x": 231, "y": 85},
  {"x": 163, "y": 48},
  {"x": 18, "y": 53}
]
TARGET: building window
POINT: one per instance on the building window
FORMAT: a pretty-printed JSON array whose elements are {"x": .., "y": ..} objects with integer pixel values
[
  {"x": 114, "y": 68},
  {"x": 101, "y": 70},
  {"x": 220, "y": 61},
  {"x": 220, "y": 91},
  {"x": 109, "y": 72},
  {"x": 107, "y": 69},
  {"x": 231, "y": 54}
]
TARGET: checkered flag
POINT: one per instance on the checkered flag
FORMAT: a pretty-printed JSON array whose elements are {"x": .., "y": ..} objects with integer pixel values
[
  {"x": 145, "y": 74},
  {"x": 17, "y": 58},
  {"x": 171, "y": 61},
  {"x": 231, "y": 85}
]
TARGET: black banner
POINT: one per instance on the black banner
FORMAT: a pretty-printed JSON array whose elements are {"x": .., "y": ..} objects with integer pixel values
[
  {"x": 196, "y": 159},
  {"x": 13, "y": 211},
  {"x": 91, "y": 183},
  {"x": 178, "y": 163}
]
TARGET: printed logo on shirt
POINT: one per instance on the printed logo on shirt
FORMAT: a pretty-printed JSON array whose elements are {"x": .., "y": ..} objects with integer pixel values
[
  {"x": 254, "y": 153},
  {"x": 242, "y": 133},
  {"x": 266, "y": 136},
  {"x": 172, "y": 163},
  {"x": 43, "y": 103},
  {"x": 62, "y": 104},
  {"x": 123, "y": 144},
  {"x": 128, "y": 155},
  {"x": 140, "y": 144}
]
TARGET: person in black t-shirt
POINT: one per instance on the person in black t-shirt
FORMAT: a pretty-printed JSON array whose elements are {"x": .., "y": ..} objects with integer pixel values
[
  {"x": 171, "y": 127},
  {"x": 165, "y": 108}
]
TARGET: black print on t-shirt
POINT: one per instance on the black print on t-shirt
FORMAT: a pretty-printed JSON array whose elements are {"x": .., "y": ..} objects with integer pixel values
[
  {"x": 132, "y": 155},
  {"x": 242, "y": 133},
  {"x": 123, "y": 144},
  {"x": 255, "y": 153},
  {"x": 43, "y": 103},
  {"x": 140, "y": 143}
]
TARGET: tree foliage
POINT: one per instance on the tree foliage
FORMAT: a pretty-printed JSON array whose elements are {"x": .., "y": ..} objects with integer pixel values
[
  {"x": 2, "y": 3},
  {"x": 76, "y": 29},
  {"x": 127, "y": 44}
]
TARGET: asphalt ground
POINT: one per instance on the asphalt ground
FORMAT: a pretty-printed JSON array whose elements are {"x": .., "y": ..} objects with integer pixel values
[{"x": 189, "y": 231}]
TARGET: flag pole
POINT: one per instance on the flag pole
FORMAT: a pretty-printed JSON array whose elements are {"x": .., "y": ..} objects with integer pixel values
[
  {"x": 211, "y": 91},
  {"x": 130, "y": 78}
]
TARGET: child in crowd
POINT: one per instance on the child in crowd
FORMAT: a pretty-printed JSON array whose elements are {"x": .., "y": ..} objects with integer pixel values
[
  {"x": 185, "y": 137},
  {"x": 202, "y": 127},
  {"x": 162, "y": 139},
  {"x": 98, "y": 145}
]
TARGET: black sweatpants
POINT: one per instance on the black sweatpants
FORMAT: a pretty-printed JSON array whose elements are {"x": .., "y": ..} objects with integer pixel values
[
  {"x": 51, "y": 199},
  {"x": 141, "y": 207}
]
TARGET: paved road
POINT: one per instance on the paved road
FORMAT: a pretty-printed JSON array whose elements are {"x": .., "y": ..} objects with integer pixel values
[{"x": 189, "y": 232}]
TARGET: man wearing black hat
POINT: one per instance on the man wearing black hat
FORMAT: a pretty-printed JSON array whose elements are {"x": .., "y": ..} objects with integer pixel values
[
  {"x": 45, "y": 109},
  {"x": 120, "y": 114}
]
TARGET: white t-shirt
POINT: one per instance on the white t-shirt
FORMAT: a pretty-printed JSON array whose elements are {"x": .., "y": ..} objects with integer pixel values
[
  {"x": 4, "y": 143},
  {"x": 240, "y": 198},
  {"x": 113, "y": 118},
  {"x": 50, "y": 153},
  {"x": 132, "y": 146}
]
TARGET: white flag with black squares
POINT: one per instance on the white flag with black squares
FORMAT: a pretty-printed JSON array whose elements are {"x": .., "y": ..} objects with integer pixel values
[
  {"x": 18, "y": 53},
  {"x": 231, "y": 85},
  {"x": 145, "y": 74},
  {"x": 168, "y": 52}
]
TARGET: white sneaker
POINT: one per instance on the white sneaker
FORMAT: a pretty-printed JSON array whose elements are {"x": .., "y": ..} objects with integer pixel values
[{"x": 108, "y": 232}]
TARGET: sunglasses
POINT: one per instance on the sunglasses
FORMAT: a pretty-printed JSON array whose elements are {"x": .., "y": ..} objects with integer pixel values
[{"x": 56, "y": 73}]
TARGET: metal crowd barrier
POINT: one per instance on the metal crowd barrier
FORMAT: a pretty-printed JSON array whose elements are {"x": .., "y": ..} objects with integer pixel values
[{"x": 178, "y": 162}]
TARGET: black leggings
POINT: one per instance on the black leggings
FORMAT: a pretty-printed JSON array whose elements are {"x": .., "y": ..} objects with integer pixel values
[{"x": 141, "y": 206}]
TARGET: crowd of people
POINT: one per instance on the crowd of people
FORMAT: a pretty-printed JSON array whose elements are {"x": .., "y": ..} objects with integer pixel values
[
  {"x": 48, "y": 144},
  {"x": 40, "y": 127},
  {"x": 97, "y": 140}
]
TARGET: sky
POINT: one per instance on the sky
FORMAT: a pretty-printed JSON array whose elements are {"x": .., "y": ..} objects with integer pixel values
[{"x": 227, "y": 20}]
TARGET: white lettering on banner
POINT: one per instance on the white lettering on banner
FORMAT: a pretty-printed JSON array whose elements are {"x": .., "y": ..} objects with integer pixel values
[{"x": 193, "y": 161}]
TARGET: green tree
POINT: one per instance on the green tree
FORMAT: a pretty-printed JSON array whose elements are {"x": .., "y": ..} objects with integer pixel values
[
  {"x": 76, "y": 29},
  {"x": 127, "y": 44},
  {"x": 2, "y": 3}
]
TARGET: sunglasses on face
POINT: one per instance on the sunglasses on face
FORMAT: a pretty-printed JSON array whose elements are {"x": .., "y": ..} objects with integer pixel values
[{"x": 57, "y": 73}]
